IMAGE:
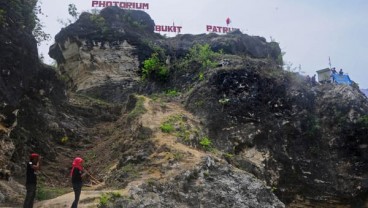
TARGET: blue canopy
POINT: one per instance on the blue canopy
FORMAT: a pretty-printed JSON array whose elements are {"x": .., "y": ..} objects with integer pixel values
[{"x": 341, "y": 79}]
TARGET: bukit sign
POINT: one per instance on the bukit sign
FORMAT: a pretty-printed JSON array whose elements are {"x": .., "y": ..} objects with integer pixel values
[
  {"x": 165, "y": 28},
  {"x": 121, "y": 4}
]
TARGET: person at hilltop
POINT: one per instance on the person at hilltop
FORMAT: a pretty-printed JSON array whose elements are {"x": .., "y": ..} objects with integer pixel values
[
  {"x": 31, "y": 181},
  {"x": 77, "y": 173},
  {"x": 334, "y": 70},
  {"x": 341, "y": 72},
  {"x": 308, "y": 79}
]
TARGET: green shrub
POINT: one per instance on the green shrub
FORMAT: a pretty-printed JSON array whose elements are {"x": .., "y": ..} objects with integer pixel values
[
  {"x": 204, "y": 55},
  {"x": 108, "y": 197},
  {"x": 206, "y": 143},
  {"x": 154, "y": 69},
  {"x": 104, "y": 199}
]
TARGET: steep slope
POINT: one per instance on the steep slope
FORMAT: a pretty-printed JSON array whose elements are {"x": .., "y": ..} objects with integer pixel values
[{"x": 158, "y": 170}]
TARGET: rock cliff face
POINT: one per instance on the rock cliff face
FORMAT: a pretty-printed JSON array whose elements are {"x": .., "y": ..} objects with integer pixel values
[
  {"x": 103, "y": 52},
  {"x": 25, "y": 85},
  {"x": 304, "y": 143}
]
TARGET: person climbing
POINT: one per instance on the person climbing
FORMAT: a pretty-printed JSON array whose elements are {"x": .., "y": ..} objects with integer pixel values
[
  {"x": 77, "y": 173},
  {"x": 31, "y": 181},
  {"x": 341, "y": 72}
]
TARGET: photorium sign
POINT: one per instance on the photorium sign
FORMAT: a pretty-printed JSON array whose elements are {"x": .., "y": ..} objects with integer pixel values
[{"x": 121, "y": 4}]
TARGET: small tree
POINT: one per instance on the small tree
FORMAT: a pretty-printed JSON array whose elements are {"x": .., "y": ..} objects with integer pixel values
[
  {"x": 38, "y": 32},
  {"x": 73, "y": 11}
]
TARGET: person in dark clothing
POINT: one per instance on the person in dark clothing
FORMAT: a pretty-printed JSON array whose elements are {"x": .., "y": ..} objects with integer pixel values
[
  {"x": 334, "y": 70},
  {"x": 31, "y": 181},
  {"x": 341, "y": 72},
  {"x": 308, "y": 79},
  {"x": 77, "y": 173}
]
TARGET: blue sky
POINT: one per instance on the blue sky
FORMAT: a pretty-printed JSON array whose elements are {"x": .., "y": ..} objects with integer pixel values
[{"x": 309, "y": 31}]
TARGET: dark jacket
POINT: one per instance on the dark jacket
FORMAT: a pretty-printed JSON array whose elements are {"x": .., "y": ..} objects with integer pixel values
[{"x": 31, "y": 175}]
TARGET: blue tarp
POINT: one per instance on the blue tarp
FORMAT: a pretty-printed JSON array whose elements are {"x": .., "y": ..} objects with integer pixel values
[{"x": 341, "y": 79}]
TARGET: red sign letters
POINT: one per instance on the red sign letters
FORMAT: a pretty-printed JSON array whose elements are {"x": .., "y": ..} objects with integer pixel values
[
  {"x": 164, "y": 28},
  {"x": 219, "y": 29},
  {"x": 125, "y": 5}
]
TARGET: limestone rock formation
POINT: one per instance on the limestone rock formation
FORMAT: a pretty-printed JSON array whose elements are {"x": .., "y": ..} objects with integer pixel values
[
  {"x": 305, "y": 141},
  {"x": 305, "y": 144}
]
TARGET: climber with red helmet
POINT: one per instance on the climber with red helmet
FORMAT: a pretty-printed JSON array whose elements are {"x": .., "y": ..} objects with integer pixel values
[
  {"x": 31, "y": 181},
  {"x": 77, "y": 173}
]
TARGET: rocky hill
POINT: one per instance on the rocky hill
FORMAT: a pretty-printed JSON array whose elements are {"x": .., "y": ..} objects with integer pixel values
[{"x": 195, "y": 120}]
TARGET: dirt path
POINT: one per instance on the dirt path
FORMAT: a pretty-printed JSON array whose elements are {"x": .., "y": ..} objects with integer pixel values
[
  {"x": 87, "y": 199},
  {"x": 152, "y": 119}
]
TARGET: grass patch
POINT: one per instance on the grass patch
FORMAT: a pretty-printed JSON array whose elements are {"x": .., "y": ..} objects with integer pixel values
[
  {"x": 45, "y": 193},
  {"x": 138, "y": 108},
  {"x": 167, "y": 127},
  {"x": 107, "y": 198},
  {"x": 172, "y": 93},
  {"x": 178, "y": 125},
  {"x": 171, "y": 124}
]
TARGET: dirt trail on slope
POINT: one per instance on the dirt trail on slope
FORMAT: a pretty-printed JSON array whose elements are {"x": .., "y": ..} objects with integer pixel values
[
  {"x": 87, "y": 199},
  {"x": 159, "y": 160}
]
